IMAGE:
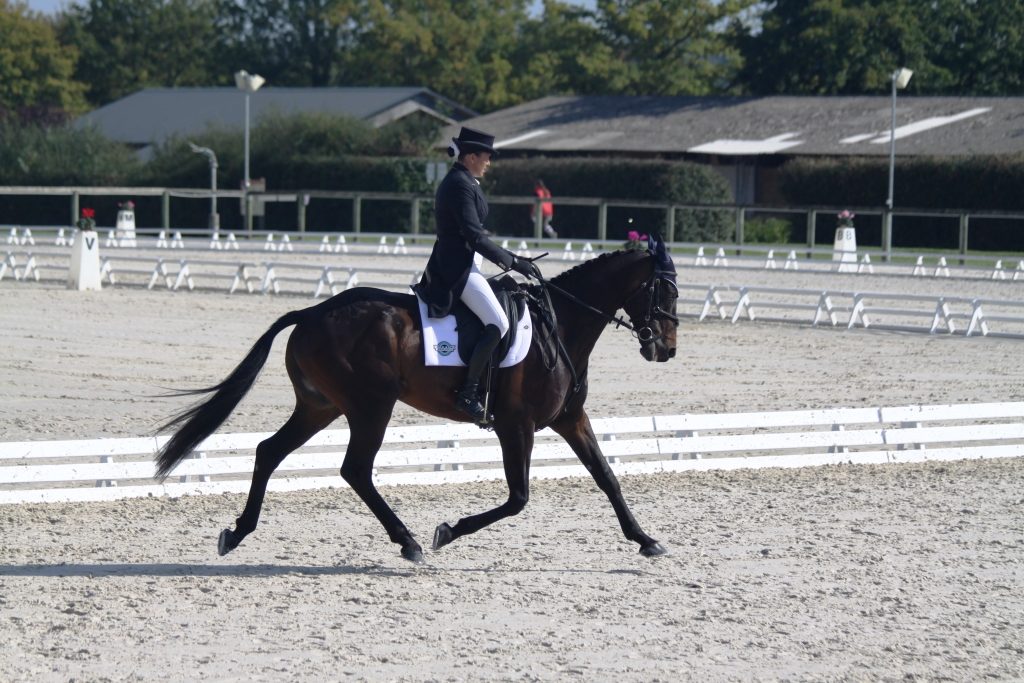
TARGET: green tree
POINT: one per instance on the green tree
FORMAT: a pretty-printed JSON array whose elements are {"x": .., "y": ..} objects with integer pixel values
[
  {"x": 562, "y": 52},
  {"x": 36, "y": 71},
  {"x": 126, "y": 45},
  {"x": 978, "y": 46},
  {"x": 288, "y": 42},
  {"x": 459, "y": 49},
  {"x": 665, "y": 47},
  {"x": 61, "y": 155},
  {"x": 827, "y": 47}
]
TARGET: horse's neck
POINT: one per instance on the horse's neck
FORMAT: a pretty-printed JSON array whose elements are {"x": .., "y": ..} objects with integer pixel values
[{"x": 607, "y": 292}]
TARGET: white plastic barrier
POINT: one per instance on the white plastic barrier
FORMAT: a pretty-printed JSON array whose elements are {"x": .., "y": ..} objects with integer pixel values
[{"x": 107, "y": 469}]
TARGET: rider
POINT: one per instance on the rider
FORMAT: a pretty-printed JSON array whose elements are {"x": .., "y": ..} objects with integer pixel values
[{"x": 453, "y": 271}]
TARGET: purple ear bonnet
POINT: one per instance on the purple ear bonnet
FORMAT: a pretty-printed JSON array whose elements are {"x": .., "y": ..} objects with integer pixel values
[{"x": 664, "y": 265}]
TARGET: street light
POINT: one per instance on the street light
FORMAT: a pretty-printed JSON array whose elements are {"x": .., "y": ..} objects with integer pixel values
[
  {"x": 247, "y": 83},
  {"x": 900, "y": 77},
  {"x": 209, "y": 154}
]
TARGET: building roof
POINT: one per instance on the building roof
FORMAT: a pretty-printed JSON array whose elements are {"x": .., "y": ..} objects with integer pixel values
[
  {"x": 752, "y": 126},
  {"x": 152, "y": 115}
]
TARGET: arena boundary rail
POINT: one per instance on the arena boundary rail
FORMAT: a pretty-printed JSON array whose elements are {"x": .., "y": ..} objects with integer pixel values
[{"x": 109, "y": 469}]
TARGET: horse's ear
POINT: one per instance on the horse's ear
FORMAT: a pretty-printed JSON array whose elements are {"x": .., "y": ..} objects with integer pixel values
[{"x": 663, "y": 262}]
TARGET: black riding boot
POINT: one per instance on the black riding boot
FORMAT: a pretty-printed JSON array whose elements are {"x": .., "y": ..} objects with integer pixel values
[{"x": 468, "y": 400}]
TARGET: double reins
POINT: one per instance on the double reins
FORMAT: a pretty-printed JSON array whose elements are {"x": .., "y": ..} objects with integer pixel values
[{"x": 645, "y": 333}]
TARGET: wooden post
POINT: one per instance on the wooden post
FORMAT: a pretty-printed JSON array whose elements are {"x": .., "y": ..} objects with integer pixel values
[
  {"x": 964, "y": 231},
  {"x": 165, "y": 210},
  {"x": 357, "y": 213},
  {"x": 812, "y": 228}
]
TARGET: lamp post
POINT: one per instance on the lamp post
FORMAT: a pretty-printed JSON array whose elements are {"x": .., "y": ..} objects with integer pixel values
[
  {"x": 900, "y": 77},
  {"x": 209, "y": 154},
  {"x": 247, "y": 83}
]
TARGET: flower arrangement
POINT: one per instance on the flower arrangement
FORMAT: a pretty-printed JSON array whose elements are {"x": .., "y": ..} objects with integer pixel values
[
  {"x": 635, "y": 240},
  {"x": 845, "y": 218},
  {"x": 88, "y": 220},
  {"x": 127, "y": 206}
]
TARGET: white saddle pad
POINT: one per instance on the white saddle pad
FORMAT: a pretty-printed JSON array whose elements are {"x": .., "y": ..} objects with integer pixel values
[{"x": 440, "y": 340}]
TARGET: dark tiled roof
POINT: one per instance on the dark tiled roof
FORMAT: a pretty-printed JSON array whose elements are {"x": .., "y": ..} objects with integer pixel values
[
  {"x": 759, "y": 125},
  {"x": 154, "y": 114}
]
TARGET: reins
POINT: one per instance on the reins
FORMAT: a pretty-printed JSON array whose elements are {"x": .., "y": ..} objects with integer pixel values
[{"x": 644, "y": 334}]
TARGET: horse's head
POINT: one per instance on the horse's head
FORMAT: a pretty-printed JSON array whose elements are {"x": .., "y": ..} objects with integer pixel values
[{"x": 652, "y": 307}]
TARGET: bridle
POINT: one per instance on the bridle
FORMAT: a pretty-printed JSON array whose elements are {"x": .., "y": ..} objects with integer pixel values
[
  {"x": 654, "y": 309},
  {"x": 644, "y": 332}
]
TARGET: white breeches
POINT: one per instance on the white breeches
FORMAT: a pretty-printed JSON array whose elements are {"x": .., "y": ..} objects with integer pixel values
[{"x": 480, "y": 299}]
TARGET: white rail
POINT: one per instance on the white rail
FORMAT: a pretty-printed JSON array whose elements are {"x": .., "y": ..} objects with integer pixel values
[{"x": 107, "y": 469}]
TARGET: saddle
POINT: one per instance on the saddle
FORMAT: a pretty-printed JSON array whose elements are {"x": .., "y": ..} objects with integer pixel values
[
  {"x": 450, "y": 341},
  {"x": 469, "y": 327}
]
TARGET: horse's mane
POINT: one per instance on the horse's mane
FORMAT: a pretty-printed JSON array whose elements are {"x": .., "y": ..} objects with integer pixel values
[{"x": 585, "y": 269}]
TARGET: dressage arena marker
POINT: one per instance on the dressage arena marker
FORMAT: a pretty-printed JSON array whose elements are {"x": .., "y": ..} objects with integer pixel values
[
  {"x": 107, "y": 469},
  {"x": 844, "y": 250}
]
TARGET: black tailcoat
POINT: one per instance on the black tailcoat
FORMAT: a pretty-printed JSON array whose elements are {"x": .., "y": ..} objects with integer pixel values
[{"x": 459, "y": 210}]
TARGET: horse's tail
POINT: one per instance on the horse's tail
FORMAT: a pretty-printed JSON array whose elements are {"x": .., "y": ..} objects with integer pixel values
[{"x": 202, "y": 419}]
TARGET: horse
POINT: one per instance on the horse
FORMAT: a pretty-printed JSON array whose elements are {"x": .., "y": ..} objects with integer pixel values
[{"x": 359, "y": 352}]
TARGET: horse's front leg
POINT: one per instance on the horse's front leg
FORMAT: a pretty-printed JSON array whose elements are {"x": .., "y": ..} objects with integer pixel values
[
  {"x": 578, "y": 433},
  {"x": 516, "y": 447}
]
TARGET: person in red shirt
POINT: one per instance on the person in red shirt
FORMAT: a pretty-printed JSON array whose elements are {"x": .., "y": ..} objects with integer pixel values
[{"x": 547, "y": 209}]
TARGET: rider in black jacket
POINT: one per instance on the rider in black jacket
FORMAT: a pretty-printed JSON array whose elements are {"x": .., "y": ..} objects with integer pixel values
[{"x": 453, "y": 272}]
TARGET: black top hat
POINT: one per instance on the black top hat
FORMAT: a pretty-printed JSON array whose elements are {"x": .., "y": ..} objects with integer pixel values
[{"x": 470, "y": 140}]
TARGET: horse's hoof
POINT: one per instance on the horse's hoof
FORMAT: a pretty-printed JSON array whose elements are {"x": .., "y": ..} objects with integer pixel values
[
  {"x": 413, "y": 553},
  {"x": 227, "y": 542},
  {"x": 653, "y": 549},
  {"x": 443, "y": 535}
]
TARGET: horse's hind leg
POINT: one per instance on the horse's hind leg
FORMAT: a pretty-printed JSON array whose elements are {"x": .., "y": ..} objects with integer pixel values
[
  {"x": 516, "y": 447},
  {"x": 304, "y": 422},
  {"x": 365, "y": 439}
]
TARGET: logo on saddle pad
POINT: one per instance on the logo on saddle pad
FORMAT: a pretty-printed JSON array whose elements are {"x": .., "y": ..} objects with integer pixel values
[{"x": 445, "y": 348}]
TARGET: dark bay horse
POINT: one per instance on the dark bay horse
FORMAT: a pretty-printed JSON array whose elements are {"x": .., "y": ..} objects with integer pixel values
[{"x": 359, "y": 352}]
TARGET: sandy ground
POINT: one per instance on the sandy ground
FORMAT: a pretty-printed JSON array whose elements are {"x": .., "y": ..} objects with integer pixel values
[{"x": 909, "y": 572}]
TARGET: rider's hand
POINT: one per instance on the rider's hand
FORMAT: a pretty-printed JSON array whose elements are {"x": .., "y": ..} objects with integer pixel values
[{"x": 526, "y": 267}]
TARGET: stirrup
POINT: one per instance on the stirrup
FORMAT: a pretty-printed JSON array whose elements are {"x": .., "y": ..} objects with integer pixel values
[{"x": 471, "y": 405}]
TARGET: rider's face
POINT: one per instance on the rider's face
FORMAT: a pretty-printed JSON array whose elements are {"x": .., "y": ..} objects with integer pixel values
[{"x": 477, "y": 163}]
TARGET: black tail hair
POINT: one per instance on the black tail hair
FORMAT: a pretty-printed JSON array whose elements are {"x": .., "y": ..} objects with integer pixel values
[{"x": 204, "y": 418}]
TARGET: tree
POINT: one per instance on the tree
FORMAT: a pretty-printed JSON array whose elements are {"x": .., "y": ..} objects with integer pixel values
[
  {"x": 461, "y": 50},
  {"x": 36, "y": 72},
  {"x": 288, "y": 42},
  {"x": 126, "y": 45},
  {"x": 826, "y": 47},
  {"x": 980, "y": 45},
  {"x": 665, "y": 47}
]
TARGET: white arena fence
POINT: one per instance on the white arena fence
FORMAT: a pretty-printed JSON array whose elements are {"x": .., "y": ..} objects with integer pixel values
[
  {"x": 725, "y": 256},
  {"x": 969, "y": 316},
  {"x": 108, "y": 469},
  {"x": 315, "y": 271}
]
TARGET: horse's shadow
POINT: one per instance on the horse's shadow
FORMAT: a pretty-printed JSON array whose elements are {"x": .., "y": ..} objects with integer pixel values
[{"x": 180, "y": 569}]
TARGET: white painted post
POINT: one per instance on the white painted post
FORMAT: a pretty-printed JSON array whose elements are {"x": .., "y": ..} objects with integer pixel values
[
  {"x": 84, "y": 273},
  {"x": 844, "y": 250}
]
